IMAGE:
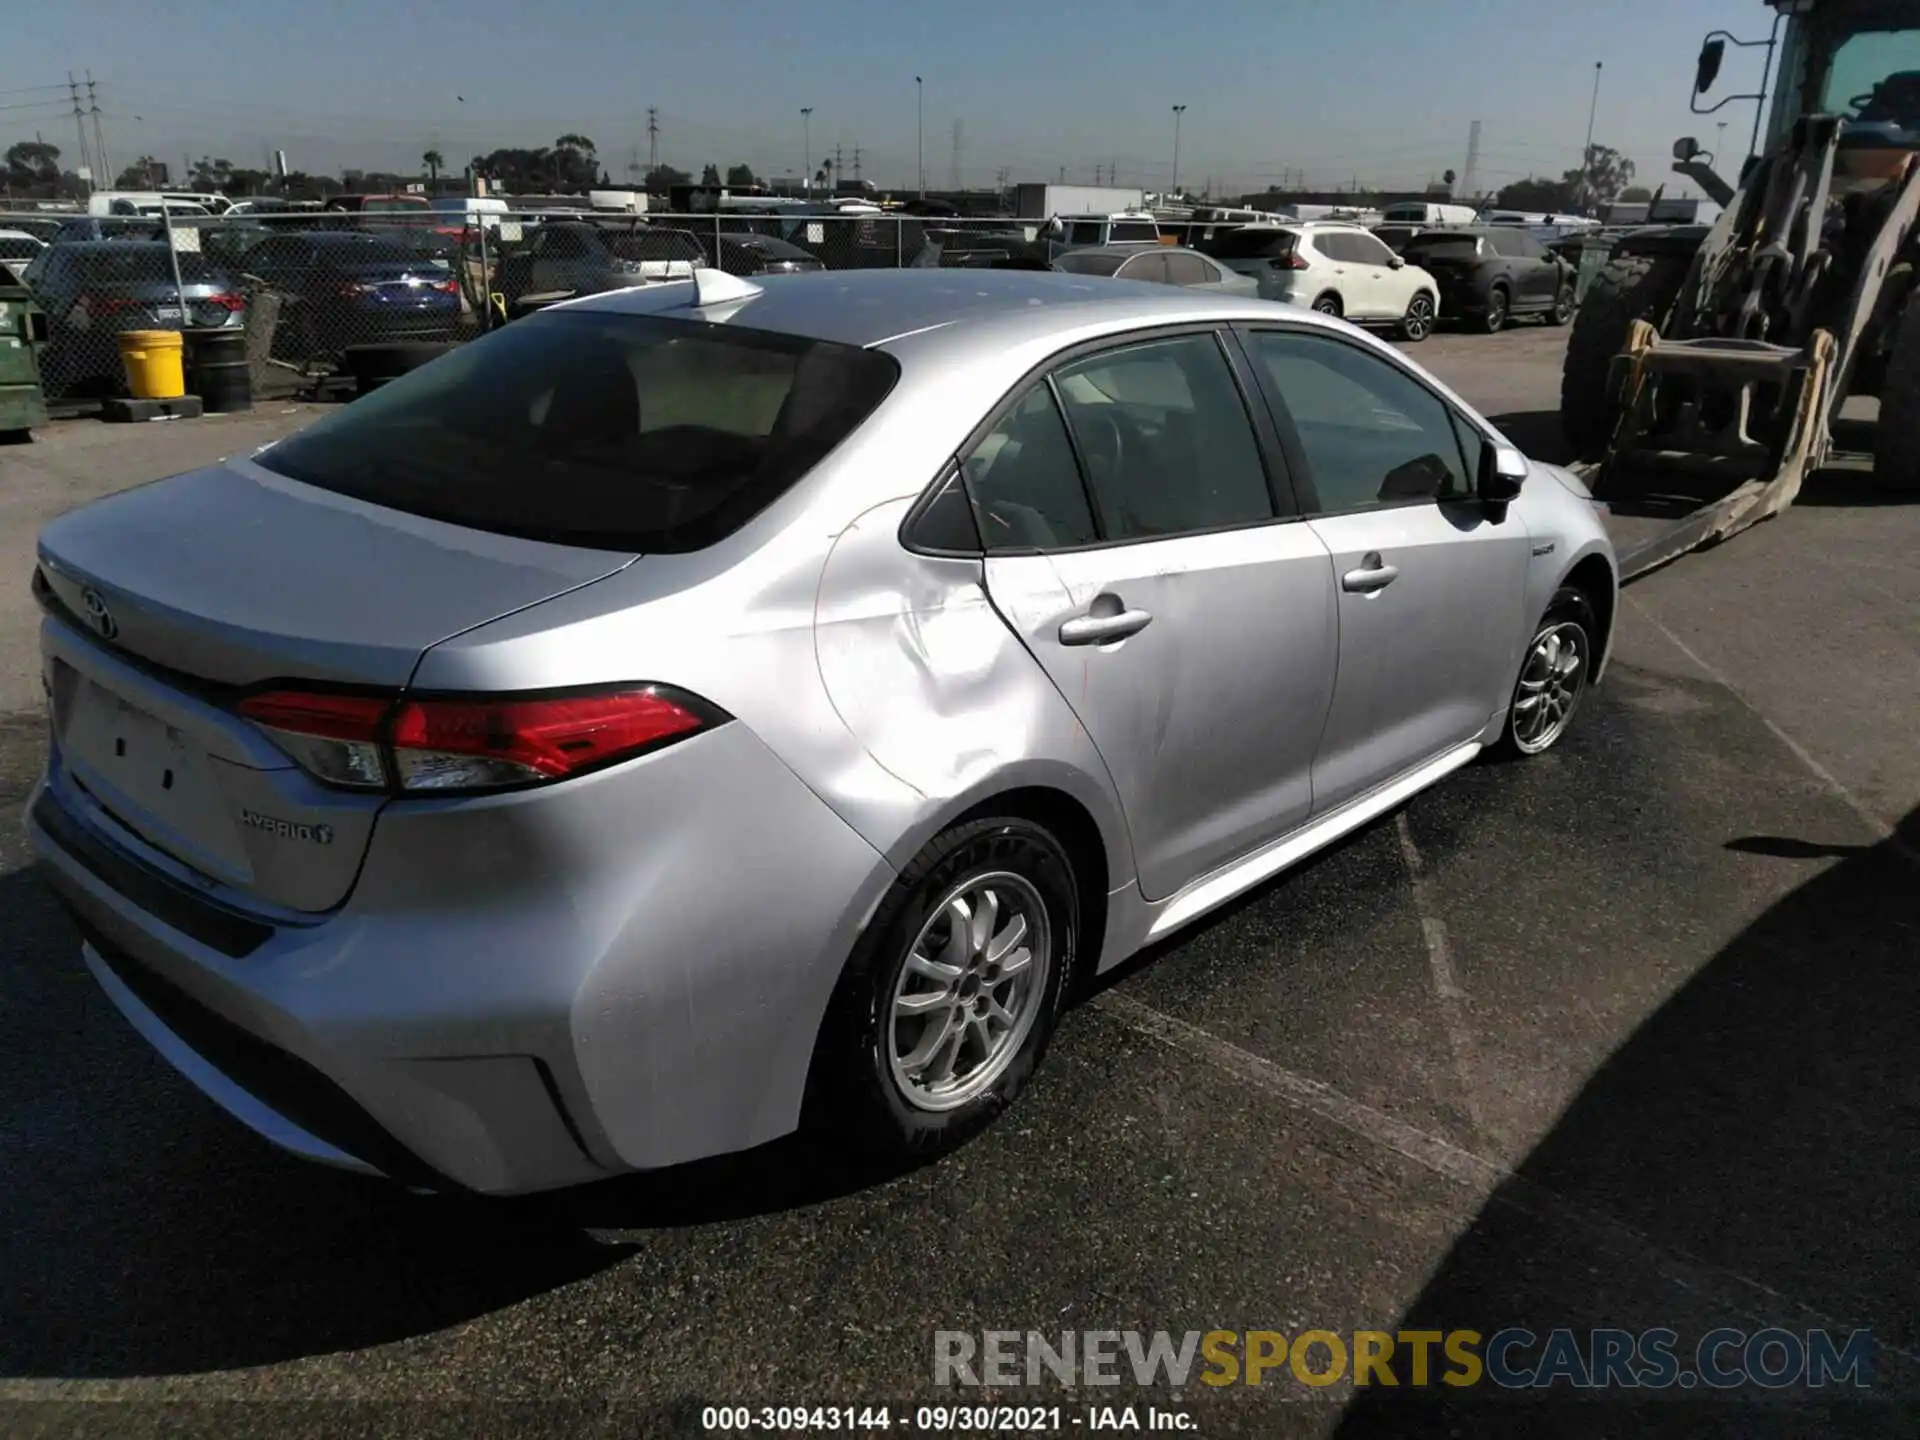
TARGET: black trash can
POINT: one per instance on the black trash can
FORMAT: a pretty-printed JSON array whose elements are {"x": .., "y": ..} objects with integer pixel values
[{"x": 217, "y": 369}]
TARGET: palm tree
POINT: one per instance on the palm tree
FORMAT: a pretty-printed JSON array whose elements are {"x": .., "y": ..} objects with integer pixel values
[{"x": 433, "y": 160}]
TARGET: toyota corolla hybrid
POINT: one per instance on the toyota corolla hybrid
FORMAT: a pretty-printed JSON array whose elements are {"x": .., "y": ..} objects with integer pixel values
[{"x": 710, "y": 707}]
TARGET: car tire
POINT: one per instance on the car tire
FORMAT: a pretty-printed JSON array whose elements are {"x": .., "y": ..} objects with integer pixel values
[
  {"x": 1417, "y": 324},
  {"x": 1563, "y": 307},
  {"x": 1896, "y": 441},
  {"x": 1499, "y": 309},
  {"x": 1329, "y": 304},
  {"x": 1555, "y": 670},
  {"x": 1631, "y": 287},
  {"x": 876, "y": 1082}
]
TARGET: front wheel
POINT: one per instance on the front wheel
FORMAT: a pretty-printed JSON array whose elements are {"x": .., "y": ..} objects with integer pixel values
[
  {"x": 1554, "y": 674},
  {"x": 948, "y": 1002},
  {"x": 1562, "y": 311},
  {"x": 1417, "y": 323}
]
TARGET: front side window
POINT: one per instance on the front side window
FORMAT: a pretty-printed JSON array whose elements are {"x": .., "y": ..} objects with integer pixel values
[
  {"x": 1373, "y": 435},
  {"x": 1369, "y": 250},
  {"x": 625, "y": 432},
  {"x": 1165, "y": 439}
]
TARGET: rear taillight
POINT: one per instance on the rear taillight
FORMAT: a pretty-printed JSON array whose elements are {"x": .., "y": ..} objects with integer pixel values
[
  {"x": 448, "y": 286},
  {"x": 334, "y": 738},
  {"x": 235, "y": 303},
  {"x": 472, "y": 742},
  {"x": 1293, "y": 261},
  {"x": 354, "y": 287}
]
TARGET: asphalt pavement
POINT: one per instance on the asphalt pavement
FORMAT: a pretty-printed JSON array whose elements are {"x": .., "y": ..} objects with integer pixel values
[{"x": 1620, "y": 1037}]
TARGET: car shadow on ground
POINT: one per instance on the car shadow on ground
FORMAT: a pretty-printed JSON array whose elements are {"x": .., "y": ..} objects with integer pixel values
[
  {"x": 1750, "y": 1156},
  {"x": 144, "y": 1232}
]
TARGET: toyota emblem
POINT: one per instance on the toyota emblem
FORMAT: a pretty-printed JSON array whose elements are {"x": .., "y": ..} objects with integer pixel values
[{"x": 98, "y": 615}]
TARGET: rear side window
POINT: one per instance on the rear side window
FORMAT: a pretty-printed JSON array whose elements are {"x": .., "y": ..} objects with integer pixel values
[
  {"x": 1184, "y": 269},
  {"x": 1091, "y": 262},
  {"x": 1252, "y": 245},
  {"x": 625, "y": 432}
]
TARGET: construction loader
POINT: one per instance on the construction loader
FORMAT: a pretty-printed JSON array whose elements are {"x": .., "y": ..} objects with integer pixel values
[{"x": 1708, "y": 367}]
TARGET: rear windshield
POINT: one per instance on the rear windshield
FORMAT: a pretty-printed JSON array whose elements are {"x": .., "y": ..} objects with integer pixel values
[
  {"x": 1134, "y": 230},
  {"x": 124, "y": 262},
  {"x": 1252, "y": 245},
  {"x": 1442, "y": 247},
  {"x": 1093, "y": 262},
  {"x": 656, "y": 245},
  {"x": 357, "y": 249},
  {"x": 622, "y": 432}
]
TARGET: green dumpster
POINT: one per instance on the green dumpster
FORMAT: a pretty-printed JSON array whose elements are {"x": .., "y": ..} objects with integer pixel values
[{"x": 23, "y": 328}]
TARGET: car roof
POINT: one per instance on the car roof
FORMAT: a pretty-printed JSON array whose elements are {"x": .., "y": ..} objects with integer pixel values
[
  {"x": 970, "y": 307},
  {"x": 19, "y": 235}
]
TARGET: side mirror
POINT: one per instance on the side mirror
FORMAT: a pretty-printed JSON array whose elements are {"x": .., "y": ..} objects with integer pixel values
[
  {"x": 1707, "y": 70},
  {"x": 1503, "y": 471},
  {"x": 1685, "y": 148},
  {"x": 1398, "y": 262}
]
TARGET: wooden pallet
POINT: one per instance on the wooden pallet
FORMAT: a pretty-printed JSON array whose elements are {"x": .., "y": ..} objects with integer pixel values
[{"x": 184, "y": 407}]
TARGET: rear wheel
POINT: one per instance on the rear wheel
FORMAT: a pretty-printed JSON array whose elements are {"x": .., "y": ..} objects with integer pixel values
[
  {"x": 948, "y": 1002},
  {"x": 1896, "y": 441},
  {"x": 1495, "y": 318},
  {"x": 1329, "y": 304},
  {"x": 1632, "y": 287},
  {"x": 1417, "y": 323}
]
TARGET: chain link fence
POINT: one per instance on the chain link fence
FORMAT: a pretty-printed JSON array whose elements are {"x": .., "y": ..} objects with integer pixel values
[{"x": 309, "y": 288}]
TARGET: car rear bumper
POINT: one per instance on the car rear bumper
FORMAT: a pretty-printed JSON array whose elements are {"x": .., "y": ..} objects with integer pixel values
[{"x": 518, "y": 996}]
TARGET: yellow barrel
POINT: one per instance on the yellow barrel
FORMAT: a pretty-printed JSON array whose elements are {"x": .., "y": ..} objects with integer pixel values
[{"x": 154, "y": 364}]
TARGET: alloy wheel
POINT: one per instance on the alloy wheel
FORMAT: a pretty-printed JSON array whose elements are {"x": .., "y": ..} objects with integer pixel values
[
  {"x": 1550, "y": 686},
  {"x": 1496, "y": 312},
  {"x": 973, "y": 984},
  {"x": 1418, "y": 323}
]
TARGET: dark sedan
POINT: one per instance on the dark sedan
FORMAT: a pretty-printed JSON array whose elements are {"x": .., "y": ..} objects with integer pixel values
[
  {"x": 92, "y": 290},
  {"x": 750, "y": 254},
  {"x": 1490, "y": 273},
  {"x": 345, "y": 287}
]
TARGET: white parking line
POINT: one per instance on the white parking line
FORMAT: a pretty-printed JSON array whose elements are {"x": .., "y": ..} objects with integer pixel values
[
  {"x": 1726, "y": 1291},
  {"x": 1880, "y": 827},
  {"x": 1466, "y": 1056}
]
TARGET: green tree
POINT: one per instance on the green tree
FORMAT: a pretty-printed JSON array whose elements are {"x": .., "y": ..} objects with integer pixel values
[
  {"x": 710, "y": 175},
  {"x": 1636, "y": 194},
  {"x": 32, "y": 164},
  {"x": 741, "y": 177},
  {"x": 575, "y": 163},
  {"x": 662, "y": 178},
  {"x": 1601, "y": 179},
  {"x": 433, "y": 160},
  {"x": 1534, "y": 193},
  {"x": 137, "y": 176}
]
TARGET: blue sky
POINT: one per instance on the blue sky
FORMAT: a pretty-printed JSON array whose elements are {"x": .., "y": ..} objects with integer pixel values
[{"x": 1379, "y": 90}]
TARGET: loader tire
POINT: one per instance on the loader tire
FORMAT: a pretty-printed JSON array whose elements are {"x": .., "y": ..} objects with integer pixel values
[
  {"x": 1632, "y": 287},
  {"x": 1896, "y": 441}
]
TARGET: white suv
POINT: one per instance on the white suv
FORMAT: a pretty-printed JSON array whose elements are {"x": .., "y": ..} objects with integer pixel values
[{"x": 1335, "y": 268}]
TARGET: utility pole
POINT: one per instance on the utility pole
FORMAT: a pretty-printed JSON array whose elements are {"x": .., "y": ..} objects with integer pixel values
[
  {"x": 920, "y": 112},
  {"x": 806, "y": 141},
  {"x": 99, "y": 140},
  {"x": 79, "y": 121},
  {"x": 1096, "y": 172},
  {"x": 1174, "y": 186},
  {"x": 653, "y": 139},
  {"x": 953, "y": 177},
  {"x": 1586, "y": 154},
  {"x": 856, "y": 164},
  {"x": 836, "y": 171},
  {"x": 1063, "y": 174},
  {"x": 1468, "y": 177}
]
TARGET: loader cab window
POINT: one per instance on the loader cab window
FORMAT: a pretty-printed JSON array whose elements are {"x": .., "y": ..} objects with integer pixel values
[{"x": 1875, "y": 77}]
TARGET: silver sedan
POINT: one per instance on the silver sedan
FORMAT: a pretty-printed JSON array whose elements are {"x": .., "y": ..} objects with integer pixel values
[
  {"x": 701, "y": 710},
  {"x": 1157, "y": 264}
]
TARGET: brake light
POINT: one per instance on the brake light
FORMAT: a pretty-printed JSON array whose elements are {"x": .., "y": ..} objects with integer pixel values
[
  {"x": 354, "y": 287},
  {"x": 468, "y": 743},
  {"x": 1293, "y": 260},
  {"x": 448, "y": 286},
  {"x": 235, "y": 303}
]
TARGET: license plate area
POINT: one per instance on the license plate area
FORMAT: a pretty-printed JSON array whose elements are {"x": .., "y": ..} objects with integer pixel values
[{"x": 149, "y": 775}]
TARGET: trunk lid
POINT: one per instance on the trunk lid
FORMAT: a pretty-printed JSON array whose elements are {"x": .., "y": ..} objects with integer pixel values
[{"x": 178, "y": 594}]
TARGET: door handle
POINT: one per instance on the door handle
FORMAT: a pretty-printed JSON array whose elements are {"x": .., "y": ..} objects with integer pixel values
[
  {"x": 1106, "y": 620},
  {"x": 1372, "y": 577}
]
